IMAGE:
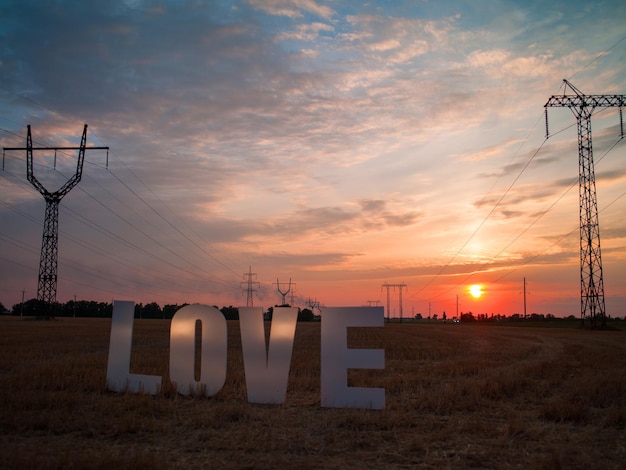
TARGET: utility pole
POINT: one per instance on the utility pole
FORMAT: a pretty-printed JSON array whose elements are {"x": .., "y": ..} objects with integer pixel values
[
  {"x": 22, "y": 306},
  {"x": 592, "y": 305},
  {"x": 250, "y": 286},
  {"x": 524, "y": 297},
  {"x": 48, "y": 261},
  {"x": 400, "y": 299}
]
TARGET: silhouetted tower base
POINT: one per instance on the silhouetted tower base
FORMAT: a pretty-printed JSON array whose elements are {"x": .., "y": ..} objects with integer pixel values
[
  {"x": 48, "y": 261},
  {"x": 592, "y": 305}
]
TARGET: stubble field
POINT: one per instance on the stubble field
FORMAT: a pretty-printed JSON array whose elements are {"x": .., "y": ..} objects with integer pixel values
[{"x": 457, "y": 396}]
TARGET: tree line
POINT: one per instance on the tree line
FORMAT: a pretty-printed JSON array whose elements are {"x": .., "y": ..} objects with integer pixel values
[{"x": 92, "y": 309}]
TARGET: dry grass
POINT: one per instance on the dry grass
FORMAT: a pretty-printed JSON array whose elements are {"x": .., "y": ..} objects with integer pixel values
[{"x": 458, "y": 396}]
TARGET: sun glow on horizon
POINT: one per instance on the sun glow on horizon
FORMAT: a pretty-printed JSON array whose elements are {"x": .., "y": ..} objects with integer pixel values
[{"x": 476, "y": 290}]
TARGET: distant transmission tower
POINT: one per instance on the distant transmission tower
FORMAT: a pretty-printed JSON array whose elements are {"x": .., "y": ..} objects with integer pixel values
[
  {"x": 250, "y": 284},
  {"x": 283, "y": 294},
  {"x": 592, "y": 306},
  {"x": 400, "y": 287},
  {"x": 314, "y": 304},
  {"x": 47, "y": 283}
]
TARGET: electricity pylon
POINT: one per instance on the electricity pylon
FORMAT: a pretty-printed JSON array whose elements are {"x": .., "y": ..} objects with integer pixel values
[
  {"x": 283, "y": 294},
  {"x": 250, "y": 287},
  {"x": 314, "y": 304},
  {"x": 48, "y": 261},
  {"x": 400, "y": 287},
  {"x": 592, "y": 306}
]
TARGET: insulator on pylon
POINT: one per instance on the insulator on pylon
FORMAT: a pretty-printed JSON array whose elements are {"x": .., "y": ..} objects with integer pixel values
[
  {"x": 621, "y": 124},
  {"x": 547, "y": 131}
]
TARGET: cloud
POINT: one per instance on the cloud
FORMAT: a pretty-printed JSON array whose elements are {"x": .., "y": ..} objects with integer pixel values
[
  {"x": 328, "y": 136},
  {"x": 292, "y": 8},
  {"x": 492, "y": 151},
  {"x": 306, "y": 32}
]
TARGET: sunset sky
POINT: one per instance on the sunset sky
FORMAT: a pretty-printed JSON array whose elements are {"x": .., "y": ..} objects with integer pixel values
[{"x": 339, "y": 144}]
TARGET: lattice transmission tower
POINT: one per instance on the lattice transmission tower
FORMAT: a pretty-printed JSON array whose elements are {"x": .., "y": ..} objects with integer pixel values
[
  {"x": 592, "y": 305},
  {"x": 48, "y": 261},
  {"x": 250, "y": 286},
  {"x": 390, "y": 286}
]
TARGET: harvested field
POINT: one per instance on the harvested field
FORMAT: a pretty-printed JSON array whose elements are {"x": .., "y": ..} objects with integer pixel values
[{"x": 458, "y": 396}]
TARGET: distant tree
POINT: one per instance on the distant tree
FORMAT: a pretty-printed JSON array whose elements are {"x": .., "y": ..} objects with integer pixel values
[
  {"x": 230, "y": 313},
  {"x": 28, "y": 308},
  {"x": 151, "y": 310},
  {"x": 88, "y": 308},
  {"x": 467, "y": 317},
  {"x": 305, "y": 315},
  {"x": 3, "y": 310},
  {"x": 418, "y": 316},
  {"x": 170, "y": 310}
]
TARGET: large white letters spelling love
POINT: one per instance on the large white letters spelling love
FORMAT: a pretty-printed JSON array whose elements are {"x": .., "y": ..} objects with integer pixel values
[{"x": 266, "y": 367}]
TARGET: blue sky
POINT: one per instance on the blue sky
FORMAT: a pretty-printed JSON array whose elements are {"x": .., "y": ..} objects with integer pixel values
[{"x": 340, "y": 144}]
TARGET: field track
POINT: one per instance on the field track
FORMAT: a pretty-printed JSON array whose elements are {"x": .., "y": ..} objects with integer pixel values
[{"x": 458, "y": 396}]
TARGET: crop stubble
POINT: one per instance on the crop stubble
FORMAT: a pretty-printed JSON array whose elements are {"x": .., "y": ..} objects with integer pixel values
[{"x": 458, "y": 396}]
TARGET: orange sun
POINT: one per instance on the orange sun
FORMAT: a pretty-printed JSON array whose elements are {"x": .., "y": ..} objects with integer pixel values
[{"x": 476, "y": 290}]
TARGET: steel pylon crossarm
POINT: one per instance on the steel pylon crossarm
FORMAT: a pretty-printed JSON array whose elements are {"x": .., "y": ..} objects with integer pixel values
[
  {"x": 592, "y": 303},
  {"x": 586, "y": 101}
]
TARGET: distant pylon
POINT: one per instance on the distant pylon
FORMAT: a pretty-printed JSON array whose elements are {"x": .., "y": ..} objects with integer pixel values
[
  {"x": 250, "y": 284},
  {"x": 400, "y": 287},
  {"x": 283, "y": 294},
  {"x": 314, "y": 304},
  {"x": 48, "y": 261},
  {"x": 592, "y": 306}
]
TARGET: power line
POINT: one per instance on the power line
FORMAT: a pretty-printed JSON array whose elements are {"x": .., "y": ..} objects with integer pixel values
[
  {"x": 101, "y": 229},
  {"x": 539, "y": 216},
  {"x": 153, "y": 209},
  {"x": 432, "y": 279},
  {"x": 602, "y": 54}
]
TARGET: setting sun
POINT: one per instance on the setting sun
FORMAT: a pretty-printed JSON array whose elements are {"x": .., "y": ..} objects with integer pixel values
[{"x": 476, "y": 290}]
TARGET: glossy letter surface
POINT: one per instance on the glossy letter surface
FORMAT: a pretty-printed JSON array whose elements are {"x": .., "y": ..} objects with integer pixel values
[
  {"x": 183, "y": 350},
  {"x": 119, "y": 379},
  {"x": 267, "y": 368},
  {"x": 336, "y": 358}
]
